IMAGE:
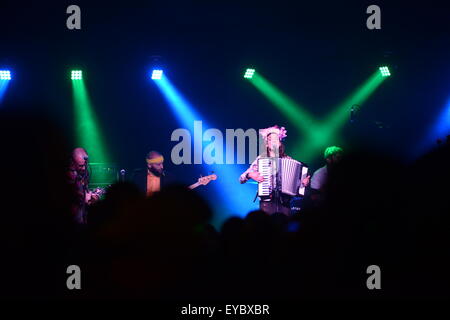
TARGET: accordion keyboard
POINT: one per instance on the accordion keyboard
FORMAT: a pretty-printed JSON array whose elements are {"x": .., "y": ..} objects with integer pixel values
[{"x": 265, "y": 170}]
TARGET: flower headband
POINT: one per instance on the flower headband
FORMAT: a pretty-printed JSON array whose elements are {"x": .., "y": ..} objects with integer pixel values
[{"x": 281, "y": 132}]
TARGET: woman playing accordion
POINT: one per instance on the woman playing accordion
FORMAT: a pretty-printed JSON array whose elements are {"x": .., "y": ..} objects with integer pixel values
[{"x": 279, "y": 177}]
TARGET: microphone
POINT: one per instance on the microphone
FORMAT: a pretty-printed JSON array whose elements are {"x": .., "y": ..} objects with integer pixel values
[
  {"x": 122, "y": 175},
  {"x": 85, "y": 172}
]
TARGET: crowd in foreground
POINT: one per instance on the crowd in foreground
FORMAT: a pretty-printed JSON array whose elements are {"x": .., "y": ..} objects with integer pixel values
[{"x": 376, "y": 211}]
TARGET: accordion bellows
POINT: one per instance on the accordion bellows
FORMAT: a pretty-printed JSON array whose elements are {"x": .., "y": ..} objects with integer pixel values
[{"x": 282, "y": 174}]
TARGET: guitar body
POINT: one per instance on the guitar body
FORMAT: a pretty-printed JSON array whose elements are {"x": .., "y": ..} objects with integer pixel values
[{"x": 95, "y": 195}]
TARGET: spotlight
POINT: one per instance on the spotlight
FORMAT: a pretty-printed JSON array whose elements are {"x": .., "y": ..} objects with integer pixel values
[
  {"x": 5, "y": 75},
  {"x": 77, "y": 75},
  {"x": 157, "y": 74},
  {"x": 249, "y": 73},
  {"x": 385, "y": 71}
]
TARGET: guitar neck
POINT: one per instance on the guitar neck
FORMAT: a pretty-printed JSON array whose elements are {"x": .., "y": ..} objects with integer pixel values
[
  {"x": 193, "y": 186},
  {"x": 203, "y": 181}
]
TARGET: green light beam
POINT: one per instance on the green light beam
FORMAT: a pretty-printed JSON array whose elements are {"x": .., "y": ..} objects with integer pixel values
[
  {"x": 87, "y": 131},
  {"x": 294, "y": 112},
  {"x": 339, "y": 117},
  {"x": 327, "y": 133},
  {"x": 313, "y": 134}
]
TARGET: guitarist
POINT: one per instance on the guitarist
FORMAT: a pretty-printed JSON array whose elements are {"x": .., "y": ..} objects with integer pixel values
[
  {"x": 79, "y": 180},
  {"x": 153, "y": 177}
]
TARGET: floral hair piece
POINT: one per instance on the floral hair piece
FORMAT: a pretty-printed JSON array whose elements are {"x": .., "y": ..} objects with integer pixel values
[{"x": 280, "y": 131}]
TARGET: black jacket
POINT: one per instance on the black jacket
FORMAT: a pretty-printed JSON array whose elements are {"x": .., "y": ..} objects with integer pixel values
[{"x": 139, "y": 178}]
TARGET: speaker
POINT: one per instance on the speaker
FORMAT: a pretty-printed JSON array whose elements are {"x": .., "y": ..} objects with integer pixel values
[{"x": 103, "y": 174}]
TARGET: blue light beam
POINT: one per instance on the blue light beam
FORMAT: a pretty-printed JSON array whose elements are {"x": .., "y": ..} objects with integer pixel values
[{"x": 229, "y": 198}]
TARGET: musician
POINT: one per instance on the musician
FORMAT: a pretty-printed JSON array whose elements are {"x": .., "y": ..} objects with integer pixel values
[
  {"x": 152, "y": 178},
  {"x": 273, "y": 137},
  {"x": 79, "y": 180},
  {"x": 332, "y": 156}
]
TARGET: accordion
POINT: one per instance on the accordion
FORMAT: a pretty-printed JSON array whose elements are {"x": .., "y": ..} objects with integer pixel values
[{"x": 282, "y": 174}]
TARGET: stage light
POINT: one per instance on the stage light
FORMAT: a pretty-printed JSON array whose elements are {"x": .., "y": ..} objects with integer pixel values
[
  {"x": 77, "y": 75},
  {"x": 5, "y": 75},
  {"x": 157, "y": 74},
  {"x": 249, "y": 73},
  {"x": 5, "y": 78},
  {"x": 385, "y": 71}
]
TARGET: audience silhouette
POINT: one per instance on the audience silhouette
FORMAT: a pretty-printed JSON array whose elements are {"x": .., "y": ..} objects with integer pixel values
[{"x": 377, "y": 211}]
